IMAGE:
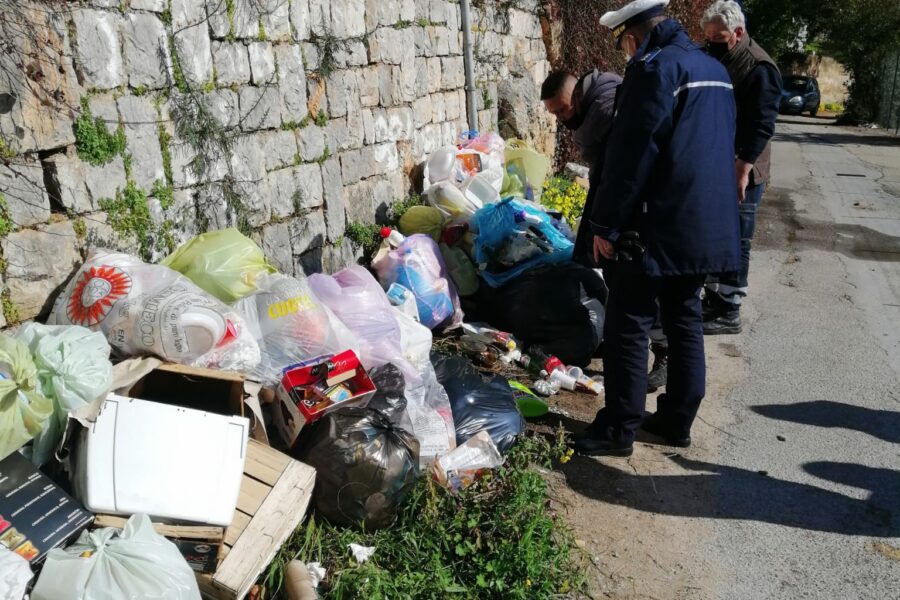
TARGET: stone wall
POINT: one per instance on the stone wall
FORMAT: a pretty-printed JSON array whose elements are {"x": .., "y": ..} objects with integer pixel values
[{"x": 137, "y": 124}]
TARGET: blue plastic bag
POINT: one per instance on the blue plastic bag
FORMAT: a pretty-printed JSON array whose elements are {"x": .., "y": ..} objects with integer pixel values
[{"x": 499, "y": 225}]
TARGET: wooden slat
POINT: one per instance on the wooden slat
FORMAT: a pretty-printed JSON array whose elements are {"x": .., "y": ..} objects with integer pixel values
[
  {"x": 265, "y": 463},
  {"x": 276, "y": 519},
  {"x": 237, "y": 527},
  {"x": 191, "y": 532},
  {"x": 200, "y": 372},
  {"x": 252, "y": 495}
]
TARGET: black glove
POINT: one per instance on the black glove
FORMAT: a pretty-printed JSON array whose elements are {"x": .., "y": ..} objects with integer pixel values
[{"x": 628, "y": 247}]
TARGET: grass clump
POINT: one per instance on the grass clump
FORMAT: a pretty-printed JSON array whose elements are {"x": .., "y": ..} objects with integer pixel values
[
  {"x": 398, "y": 209},
  {"x": 563, "y": 194},
  {"x": 6, "y": 153},
  {"x": 364, "y": 236},
  {"x": 129, "y": 214},
  {"x": 164, "y": 193},
  {"x": 6, "y": 222},
  {"x": 497, "y": 539},
  {"x": 321, "y": 118},
  {"x": 10, "y": 311},
  {"x": 93, "y": 141}
]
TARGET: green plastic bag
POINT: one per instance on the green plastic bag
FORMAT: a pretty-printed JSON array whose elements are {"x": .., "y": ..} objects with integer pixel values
[
  {"x": 422, "y": 219},
  {"x": 224, "y": 263},
  {"x": 23, "y": 410},
  {"x": 535, "y": 164}
]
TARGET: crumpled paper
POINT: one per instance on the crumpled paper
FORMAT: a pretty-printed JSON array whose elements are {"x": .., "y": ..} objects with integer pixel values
[{"x": 361, "y": 553}]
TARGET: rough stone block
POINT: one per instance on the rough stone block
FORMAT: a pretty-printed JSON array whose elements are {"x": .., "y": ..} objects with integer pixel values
[
  {"x": 275, "y": 241},
  {"x": 438, "y": 11},
  {"x": 186, "y": 13},
  {"x": 337, "y": 136},
  {"x": 348, "y": 17},
  {"x": 194, "y": 54},
  {"x": 343, "y": 93},
  {"x": 248, "y": 163},
  {"x": 283, "y": 184},
  {"x": 224, "y": 106},
  {"x": 452, "y": 107},
  {"x": 428, "y": 139},
  {"x": 279, "y": 148},
  {"x": 147, "y": 59},
  {"x": 22, "y": 185},
  {"x": 142, "y": 140},
  {"x": 292, "y": 83},
  {"x": 337, "y": 257},
  {"x": 333, "y": 193},
  {"x": 232, "y": 63},
  {"x": 352, "y": 53},
  {"x": 392, "y": 46},
  {"x": 275, "y": 18},
  {"x": 104, "y": 182},
  {"x": 255, "y": 201},
  {"x": 300, "y": 19},
  {"x": 99, "y": 56},
  {"x": 356, "y": 128},
  {"x": 384, "y": 158},
  {"x": 262, "y": 63},
  {"x": 260, "y": 108},
  {"x": 438, "y": 108},
  {"x": 405, "y": 77},
  {"x": 157, "y": 6},
  {"x": 184, "y": 165},
  {"x": 368, "y": 125},
  {"x": 307, "y": 232},
  {"x": 453, "y": 74},
  {"x": 37, "y": 263},
  {"x": 360, "y": 202},
  {"x": 423, "y": 42},
  {"x": 422, "y": 110},
  {"x": 367, "y": 80},
  {"x": 311, "y": 143},
  {"x": 440, "y": 39},
  {"x": 434, "y": 77},
  {"x": 352, "y": 167},
  {"x": 66, "y": 175}
]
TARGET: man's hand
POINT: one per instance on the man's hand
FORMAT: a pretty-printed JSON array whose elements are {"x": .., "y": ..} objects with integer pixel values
[
  {"x": 742, "y": 171},
  {"x": 602, "y": 248}
]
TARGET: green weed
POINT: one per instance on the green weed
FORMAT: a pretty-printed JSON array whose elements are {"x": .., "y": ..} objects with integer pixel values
[
  {"x": 164, "y": 193},
  {"x": 6, "y": 222},
  {"x": 129, "y": 215},
  {"x": 80, "y": 228},
  {"x": 93, "y": 141},
  {"x": 10, "y": 311},
  {"x": 322, "y": 118},
  {"x": 6, "y": 153}
]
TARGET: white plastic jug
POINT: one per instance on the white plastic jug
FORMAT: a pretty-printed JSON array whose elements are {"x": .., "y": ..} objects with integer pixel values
[{"x": 479, "y": 190}]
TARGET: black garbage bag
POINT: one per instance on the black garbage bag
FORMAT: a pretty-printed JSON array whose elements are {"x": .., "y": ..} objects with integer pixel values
[
  {"x": 557, "y": 307},
  {"x": 366, "y": 459},
  {"x": 479, "y": 403}
]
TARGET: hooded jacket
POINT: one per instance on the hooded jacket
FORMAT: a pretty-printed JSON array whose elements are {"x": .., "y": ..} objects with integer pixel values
[
  {"x": 598, "y": 100},
  {"x": 670, "y": 172}
]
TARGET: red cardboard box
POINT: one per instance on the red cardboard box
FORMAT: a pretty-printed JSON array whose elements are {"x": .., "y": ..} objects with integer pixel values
[{"x": 310, "y": 390}]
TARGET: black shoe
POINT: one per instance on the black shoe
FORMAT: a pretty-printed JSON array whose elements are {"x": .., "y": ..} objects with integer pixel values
[
  {"x": 591, "y": 444},
  {"x": 655, "y": 424},
  {"x": 658, "y": 374},
  {"x": 724, "y": 324}
]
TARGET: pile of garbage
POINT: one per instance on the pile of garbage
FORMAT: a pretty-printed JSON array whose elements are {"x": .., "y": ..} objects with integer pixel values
[{"x": 163, "y": 434}]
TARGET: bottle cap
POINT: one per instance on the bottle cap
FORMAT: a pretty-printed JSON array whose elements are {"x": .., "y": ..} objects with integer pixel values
[{"x": 386, "y": 232}]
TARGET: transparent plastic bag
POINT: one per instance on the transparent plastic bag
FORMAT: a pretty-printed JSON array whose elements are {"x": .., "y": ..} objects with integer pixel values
[
  {"x": 452, "y": 203},
  {"x": 145, "y": 309},
  {"x": 534, "y": 164},
  {"x": 418, "y": 266},
  {"x": 422, "y": 219},
  {"x": 15, "y": 573},
  {"x": 224, "y": 263},
  {"x": 479, "y": 404},
  {"x": 291, "y": 324},
  {"x": 74, "y": 372},
  {"x": 366, "y": 459},
  {"x": 134, "y": 563},
  {"x": 363, "y": 307},
  {"x": 429, "y": 410},
  {"x": 23, "y": 409}
]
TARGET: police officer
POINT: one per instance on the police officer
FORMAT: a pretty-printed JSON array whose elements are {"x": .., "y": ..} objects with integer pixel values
[{"x": 665, "y": 216}]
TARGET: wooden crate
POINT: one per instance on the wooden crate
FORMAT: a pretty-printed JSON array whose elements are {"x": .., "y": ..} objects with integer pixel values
[{"x": 275, "y": 494}]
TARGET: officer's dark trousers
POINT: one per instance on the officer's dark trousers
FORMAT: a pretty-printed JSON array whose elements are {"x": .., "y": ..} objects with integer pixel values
[{"x": 630, "y": 313}]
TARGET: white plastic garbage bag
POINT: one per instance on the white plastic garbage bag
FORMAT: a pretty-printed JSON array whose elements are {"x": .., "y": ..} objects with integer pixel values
[
  {"x": 291, "y": 324},
  {"x": 135, "y": 563},
  {"x": 145, "y": 309},
  {"x": 23, "y": 410},
  {"x": 74, "y": 372},
  {"x": 15, "y": 573}
]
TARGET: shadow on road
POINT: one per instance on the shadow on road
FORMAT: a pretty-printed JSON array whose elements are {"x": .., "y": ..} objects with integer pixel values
[
  {"x": 839, "y": 136},
  {"x": 881, "y": 424},
  {"x": 722, "y": 492}
]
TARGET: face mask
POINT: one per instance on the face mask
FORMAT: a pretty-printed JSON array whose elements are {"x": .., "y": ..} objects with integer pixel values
[
  {"x": 718, "y": 49},
  {"x": 575, "y": 122}
]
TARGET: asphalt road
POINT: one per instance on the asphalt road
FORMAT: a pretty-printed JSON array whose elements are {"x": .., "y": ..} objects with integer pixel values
[
  {"x": 792, "y": 487},
  {"x": 819, "y": 410}
]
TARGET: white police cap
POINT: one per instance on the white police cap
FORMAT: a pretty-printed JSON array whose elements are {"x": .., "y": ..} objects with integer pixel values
[{"x": 632, "y": 14}]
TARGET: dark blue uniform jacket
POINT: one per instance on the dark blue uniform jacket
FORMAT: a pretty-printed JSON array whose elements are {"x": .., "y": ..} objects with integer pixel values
[{"x": 669, "y": 169}]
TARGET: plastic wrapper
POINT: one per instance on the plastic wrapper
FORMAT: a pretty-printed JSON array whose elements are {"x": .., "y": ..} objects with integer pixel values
[
  {"x": 291, "y": 324},
  {"x": 422, "y": 219},
  {"x": 134, "y": 563},
  {"x": 362, "y": 306},
  {"x": 513, "y": 237},
  {"x": 366, "y": 459},
  {"x": 151, "y": 310},
  {"x": 224, "y": 263},
  {"x": 417, "y": 265},
  {"x": 15, "y": 573},
  {"x": 23, "y": 409},
  {"x": 459, "y": 469},
  {"x": 451, "y": 202},
  {"x": 534, "y": 166},
  {"x": 478, "y": 403},
  {"x": 558, "y": 307},
  {"x": 74, "y": 372},
  {"x": 461, "y": 269}
]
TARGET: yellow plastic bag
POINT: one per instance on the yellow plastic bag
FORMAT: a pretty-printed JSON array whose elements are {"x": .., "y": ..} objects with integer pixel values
[
  {"x": 536, "y": 165},
  {"x": 23, "y": 410},
  {"x": 422, "y": 219},
  {"x": 224, "y": 263}
]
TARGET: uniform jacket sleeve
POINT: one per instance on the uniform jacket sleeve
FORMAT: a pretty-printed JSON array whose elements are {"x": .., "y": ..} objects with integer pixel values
[
  {"x": 643, "y": 123},
  {"x": 756, "y": 124}
]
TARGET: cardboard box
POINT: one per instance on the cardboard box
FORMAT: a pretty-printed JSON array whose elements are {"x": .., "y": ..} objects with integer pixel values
[
  {"x": 167, "y": 461},
  {"x": 35, "y": 513},
  {"x": 312, "y": 389},
  {"x": 199, "y": 544},
  {"x": 275, "y": 494}
]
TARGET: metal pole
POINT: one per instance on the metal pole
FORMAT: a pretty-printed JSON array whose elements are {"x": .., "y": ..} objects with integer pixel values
[
  {"x": 471, "y": 110},
  {"x": 893, "y": 89}
]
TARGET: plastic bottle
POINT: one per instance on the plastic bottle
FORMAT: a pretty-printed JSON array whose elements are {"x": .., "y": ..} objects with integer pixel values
[
  {"x": 539, "y": 360},
  {"x": 393, "y": 237}
]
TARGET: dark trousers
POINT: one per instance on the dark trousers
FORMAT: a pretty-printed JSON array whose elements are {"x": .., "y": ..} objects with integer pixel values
[
  {"x": 630, "y": 312},
  {"x": 732, "y": 287}
]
